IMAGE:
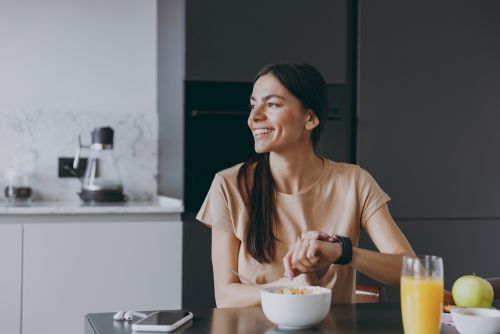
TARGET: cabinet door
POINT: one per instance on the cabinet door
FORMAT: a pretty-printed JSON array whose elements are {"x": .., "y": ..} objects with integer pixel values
[
  {"x": 226, "y": 41},
  {"x": 71, "y": 269},
  {"x": 10, "y": 277},
  {"x": 428, "y": 106}
]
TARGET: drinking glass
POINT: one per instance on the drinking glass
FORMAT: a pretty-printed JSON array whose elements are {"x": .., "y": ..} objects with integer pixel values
[
  {"x": 422, "y": 294},
  {"x": 18, "y": 189}
]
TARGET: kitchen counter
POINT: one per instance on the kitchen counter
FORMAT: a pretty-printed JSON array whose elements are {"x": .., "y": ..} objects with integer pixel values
[
  {"x": 161, "y": 204},
  {"x": 92, "y": 257}
]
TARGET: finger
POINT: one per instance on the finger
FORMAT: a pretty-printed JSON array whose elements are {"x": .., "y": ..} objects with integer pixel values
[
  {"x": 287, "y": 263},
  {"x": 302, "y": 254},
  {"x": 323, "y": 236},
  {"x": 311, "y": 234},
  {"x": 303, "y": 264},
  {"x": 312, "y": 252},
  {"x": 295, "y": 253},
  {"x": 317, "y": 235}
]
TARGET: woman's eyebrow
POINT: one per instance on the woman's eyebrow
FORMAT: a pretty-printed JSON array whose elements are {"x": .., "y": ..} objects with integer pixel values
[{"x": 267, "y": 97}]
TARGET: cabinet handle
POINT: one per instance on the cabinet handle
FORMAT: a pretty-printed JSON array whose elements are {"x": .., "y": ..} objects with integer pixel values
[{"x": 334, "y": 113}]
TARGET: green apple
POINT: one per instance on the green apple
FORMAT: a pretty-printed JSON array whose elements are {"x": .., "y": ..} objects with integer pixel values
[{"x": 472, "y": 291}]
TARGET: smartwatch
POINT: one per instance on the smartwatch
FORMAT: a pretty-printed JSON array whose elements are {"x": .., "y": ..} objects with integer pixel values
[{"x": 346, "y": 244}]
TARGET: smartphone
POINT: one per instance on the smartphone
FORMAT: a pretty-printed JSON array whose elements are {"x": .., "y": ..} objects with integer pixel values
[{"x": 162, "y": 321}]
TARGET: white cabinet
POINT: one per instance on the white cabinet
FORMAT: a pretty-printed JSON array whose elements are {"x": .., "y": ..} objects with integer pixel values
[
  {"x": 10, "y": 277},
  {"x": 78, "y": 267}
]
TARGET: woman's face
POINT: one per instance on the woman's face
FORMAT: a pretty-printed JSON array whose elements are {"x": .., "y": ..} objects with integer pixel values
[{"x": 278, "y": 120}]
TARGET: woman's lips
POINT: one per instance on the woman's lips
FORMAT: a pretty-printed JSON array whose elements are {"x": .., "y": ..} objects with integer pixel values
[{"x": 260, "y": 132}]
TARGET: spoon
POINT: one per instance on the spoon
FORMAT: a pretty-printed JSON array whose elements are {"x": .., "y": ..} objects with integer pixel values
[{"x": 246, "y": 279}]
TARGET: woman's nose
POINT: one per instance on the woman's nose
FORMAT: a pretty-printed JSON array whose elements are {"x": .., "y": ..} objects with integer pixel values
[{"x": 256, "y": 114}]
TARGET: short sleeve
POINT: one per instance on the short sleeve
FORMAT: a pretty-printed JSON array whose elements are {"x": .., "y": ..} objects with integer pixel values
[
  {"x": 370, "y": 196},
  {"x": 215, "y": 210}
]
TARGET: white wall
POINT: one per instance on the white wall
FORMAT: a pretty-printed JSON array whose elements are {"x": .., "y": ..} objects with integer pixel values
[
  {"x": 67, "y": 66},
  {"x": 84, "y": 54}
]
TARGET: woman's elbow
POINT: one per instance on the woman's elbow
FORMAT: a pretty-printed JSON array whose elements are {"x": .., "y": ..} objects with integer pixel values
[
  {"x": 224, "y": 299},
  {"x": 230, "y": 296},
  {"x": 221, "y": 302}
]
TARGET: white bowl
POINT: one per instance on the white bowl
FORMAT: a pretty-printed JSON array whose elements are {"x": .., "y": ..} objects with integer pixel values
[
  {"x": 476, "y": 320},
  {"x": 290, "y": 311}
]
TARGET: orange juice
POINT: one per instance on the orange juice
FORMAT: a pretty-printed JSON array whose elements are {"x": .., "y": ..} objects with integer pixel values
[{"x": 421, "y": 304}]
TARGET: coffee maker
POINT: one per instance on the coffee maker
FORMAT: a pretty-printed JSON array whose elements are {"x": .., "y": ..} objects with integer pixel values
[{"x": 101, "y": 182}]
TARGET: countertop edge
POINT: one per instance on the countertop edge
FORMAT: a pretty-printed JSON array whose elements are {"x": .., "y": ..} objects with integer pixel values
[{"x": 158, "y": 206}]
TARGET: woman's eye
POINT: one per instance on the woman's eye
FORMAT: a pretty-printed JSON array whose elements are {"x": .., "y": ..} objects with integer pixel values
[
  {"x": 272, "y": 104},
  {"x": 251, "y": 107}
]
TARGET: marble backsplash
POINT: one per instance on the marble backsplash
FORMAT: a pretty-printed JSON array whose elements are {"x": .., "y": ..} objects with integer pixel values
[{"x": 35, "y": 139}]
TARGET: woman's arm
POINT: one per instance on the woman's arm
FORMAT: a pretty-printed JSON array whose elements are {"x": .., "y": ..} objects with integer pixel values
[
  {"x": 383, "y": 266},
  {"x": 229, "y": 291}
]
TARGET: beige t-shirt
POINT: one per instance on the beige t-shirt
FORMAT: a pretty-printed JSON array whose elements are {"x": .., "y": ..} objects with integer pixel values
[{"x": 339, "y": 202}]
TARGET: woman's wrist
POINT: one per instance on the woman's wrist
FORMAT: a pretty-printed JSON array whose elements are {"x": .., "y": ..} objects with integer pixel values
[
  {"x": 322, "y": 272},
  {"x": 334, "y": 252}
]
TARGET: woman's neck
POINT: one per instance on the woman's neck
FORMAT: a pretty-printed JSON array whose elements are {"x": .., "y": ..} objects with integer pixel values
[{"x": 296, "y": 172}]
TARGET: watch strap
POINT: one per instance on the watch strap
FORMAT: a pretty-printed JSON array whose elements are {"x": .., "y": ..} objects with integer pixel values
[{"x": 346, "y": 244}]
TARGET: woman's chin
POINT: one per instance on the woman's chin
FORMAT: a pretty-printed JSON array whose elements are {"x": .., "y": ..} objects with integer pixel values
[{"x": 261, "y": 149}]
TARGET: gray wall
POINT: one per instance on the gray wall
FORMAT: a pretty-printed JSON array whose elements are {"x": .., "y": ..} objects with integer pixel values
[
  {"x": 428, "y": 118},
  {"x": 171, "y": 65}
]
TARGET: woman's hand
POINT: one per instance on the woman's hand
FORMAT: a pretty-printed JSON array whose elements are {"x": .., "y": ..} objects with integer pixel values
[
  {"x": 314, "y": 252},
  {"x": 305, "y": 279},
  {"x": 302, "y": 279},
  {"x": 317, "y": 235}
]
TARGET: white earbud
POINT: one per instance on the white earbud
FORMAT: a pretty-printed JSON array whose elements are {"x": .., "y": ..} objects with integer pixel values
[
  {"x": 129, "y": 315},
  {"x": 119, "y": 315}
]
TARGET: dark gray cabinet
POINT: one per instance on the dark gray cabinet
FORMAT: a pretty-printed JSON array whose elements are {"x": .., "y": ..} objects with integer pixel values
[
  {"x": 429, "y": 105},
  {"x": 231, "y": 40},
  {"x": 428, "y": 108}
]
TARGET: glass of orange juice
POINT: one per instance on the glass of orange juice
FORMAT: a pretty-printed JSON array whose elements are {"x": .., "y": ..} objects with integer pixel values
[{"x": 422, "y": 294}]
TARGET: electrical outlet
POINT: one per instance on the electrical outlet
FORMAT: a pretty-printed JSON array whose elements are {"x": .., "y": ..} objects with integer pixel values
[{"x": 65, "y": 168}]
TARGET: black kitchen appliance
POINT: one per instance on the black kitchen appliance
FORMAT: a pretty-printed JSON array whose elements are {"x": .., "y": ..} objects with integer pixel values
[{"x": 216, "y": 136}]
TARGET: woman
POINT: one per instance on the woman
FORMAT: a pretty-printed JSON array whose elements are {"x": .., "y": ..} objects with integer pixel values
[{"x": 276, "y": 215}]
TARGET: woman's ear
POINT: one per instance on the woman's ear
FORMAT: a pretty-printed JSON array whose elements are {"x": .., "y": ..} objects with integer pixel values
[{"x": 312, "y": 120}]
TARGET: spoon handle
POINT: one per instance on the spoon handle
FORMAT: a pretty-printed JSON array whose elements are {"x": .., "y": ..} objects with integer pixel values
[{"x": 241, "y": 277}]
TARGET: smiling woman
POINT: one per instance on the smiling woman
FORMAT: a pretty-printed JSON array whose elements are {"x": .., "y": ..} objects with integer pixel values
[{"x": 289, "y": 212}]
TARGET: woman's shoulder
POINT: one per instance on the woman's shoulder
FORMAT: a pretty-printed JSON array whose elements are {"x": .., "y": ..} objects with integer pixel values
[
  {"x": 350, "y": 173},
  {"x": 342, "y": 169},
  {"x": 228, "y": 175},
  {"x": 230, "y": 171}
]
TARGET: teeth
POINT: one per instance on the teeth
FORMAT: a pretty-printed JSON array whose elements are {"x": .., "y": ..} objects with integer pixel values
[{"x": 262, "y": 131}]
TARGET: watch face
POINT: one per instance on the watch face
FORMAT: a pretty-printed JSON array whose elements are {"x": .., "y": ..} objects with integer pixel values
[{"x": 338, "y": 238}]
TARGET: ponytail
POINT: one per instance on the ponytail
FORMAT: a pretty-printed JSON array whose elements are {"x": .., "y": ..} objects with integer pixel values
[{"x": 260, "y": 231}]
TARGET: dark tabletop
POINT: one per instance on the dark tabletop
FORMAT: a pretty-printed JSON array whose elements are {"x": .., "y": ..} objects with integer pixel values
[{"x": 348, "y": 318}]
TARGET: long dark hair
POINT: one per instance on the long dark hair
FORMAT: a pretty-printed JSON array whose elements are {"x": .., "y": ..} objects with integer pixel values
[{"x": 306, "y": 84}]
